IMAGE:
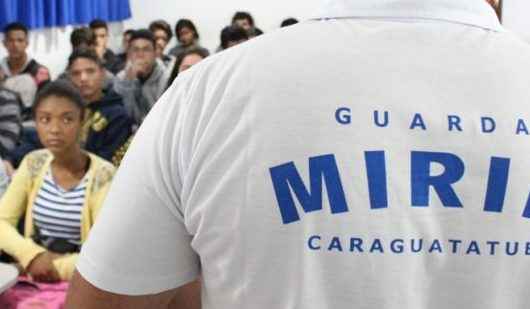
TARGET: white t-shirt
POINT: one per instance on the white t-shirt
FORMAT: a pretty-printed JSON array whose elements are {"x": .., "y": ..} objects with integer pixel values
[{"x": 342, "y": 163}]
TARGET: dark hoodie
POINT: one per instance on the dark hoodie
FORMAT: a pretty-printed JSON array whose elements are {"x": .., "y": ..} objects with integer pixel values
[
  {"x": 106, "y": 130},
  {"x": 107, "y": 127}
]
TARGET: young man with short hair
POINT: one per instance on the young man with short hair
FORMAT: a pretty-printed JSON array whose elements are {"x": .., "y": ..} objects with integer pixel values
[
  {"x": 107, "y": 124},
  {"x": 101, "y": 35},
  {"x": 144, "y": 78},
  {"x": 246, "y": 21},
  {"x": 187, "y": 37},
  {"x": 162, "y": 32},
  {"x": 18, "y": 61},
  {"x": 121, "y": 58},
  {"x": 82, "y": 38}
]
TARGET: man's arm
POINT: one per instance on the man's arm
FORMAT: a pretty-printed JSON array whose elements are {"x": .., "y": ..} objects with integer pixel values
[
  {"x": 140, "y": 244},
  {"x": 10, "y": 121},
  {"x": 83, "y": 295}
]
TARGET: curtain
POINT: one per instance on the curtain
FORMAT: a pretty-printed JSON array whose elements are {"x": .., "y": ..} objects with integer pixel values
[{"x": 37, "y": 14}]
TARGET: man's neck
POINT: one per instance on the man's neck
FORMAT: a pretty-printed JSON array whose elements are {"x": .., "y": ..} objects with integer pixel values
[
  {"x": 16, "y": 65},
  {"x": 95, "y": 98}
]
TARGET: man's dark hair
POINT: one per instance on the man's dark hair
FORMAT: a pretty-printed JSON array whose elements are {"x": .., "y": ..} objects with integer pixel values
[
  {"x": 128, "y": 32},
  {"x": 143, "y": 34},
  {"x": 257, "y": 31},
  {"x": 82, "y": 35},
  {"x": 186, "y": 23},
  {"x": 289, "y": 22},
  {"x": 161, "y": 25},
  {"x": 61, "y": 89},
  {"x": 243, "y": 15},
  {"x": 232, "y": 34},
  {"x": 84, "y": 53},
  {"x": 16, "y": 26},
  {"x": 97, "y": 24}
]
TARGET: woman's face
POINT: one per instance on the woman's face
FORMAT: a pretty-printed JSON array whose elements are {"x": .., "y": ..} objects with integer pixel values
[
  {"x": 186, "y": 36},
  {"x": 58, "y": 121},
  {"x": 243, "y": 23},
  {"x": 189, "y": 61}
]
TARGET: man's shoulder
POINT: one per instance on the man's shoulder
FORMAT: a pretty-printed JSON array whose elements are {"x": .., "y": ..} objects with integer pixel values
[
  {"x": 119, "y": 76},
  {"x": 160, "y": 70},
  {"x": 112, "y": 98},
  {"x": 39, "y": 71},
  {"x": 109, "y": 109},
  {"x": 113, "y": 110},
  {"x": 8, "y": 96},
  {"x": 109, "y": 54},
  {"x": 121, "y": 80},
  {"x": 175, "y": 50}
]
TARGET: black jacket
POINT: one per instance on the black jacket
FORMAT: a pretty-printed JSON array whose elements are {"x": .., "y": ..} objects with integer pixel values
[{"x": 107, "y": 127}]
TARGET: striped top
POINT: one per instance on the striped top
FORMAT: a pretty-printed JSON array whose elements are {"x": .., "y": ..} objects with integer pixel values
[
  {"x": 10, "y": 121},
  {"x": 57, "y": 212}
]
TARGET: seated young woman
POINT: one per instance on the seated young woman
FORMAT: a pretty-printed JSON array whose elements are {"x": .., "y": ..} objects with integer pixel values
[
  {"x": 185, "y": 60},
  {"x": 57, "y": 192}
]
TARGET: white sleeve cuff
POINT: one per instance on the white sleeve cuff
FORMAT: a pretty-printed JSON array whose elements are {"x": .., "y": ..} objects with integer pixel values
[{"x": 107, "y": 280}]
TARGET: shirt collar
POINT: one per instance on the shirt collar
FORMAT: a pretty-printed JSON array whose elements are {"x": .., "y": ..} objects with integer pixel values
[{"x": 476, "y": 13}]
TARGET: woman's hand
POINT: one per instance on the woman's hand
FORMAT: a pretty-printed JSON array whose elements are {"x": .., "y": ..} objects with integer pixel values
[{"x": 41, "y": 269}]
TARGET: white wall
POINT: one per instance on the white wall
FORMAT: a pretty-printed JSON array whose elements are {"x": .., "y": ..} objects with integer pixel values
[
  {"x": 211, "y": 16},
  {"x": 52, "y": 47}
]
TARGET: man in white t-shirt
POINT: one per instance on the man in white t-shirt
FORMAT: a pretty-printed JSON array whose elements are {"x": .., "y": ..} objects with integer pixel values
[{"x": 387, "y": 168}]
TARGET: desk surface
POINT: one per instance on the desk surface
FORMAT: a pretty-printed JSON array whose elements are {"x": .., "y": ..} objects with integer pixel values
[{"x": 8, "y": 276}]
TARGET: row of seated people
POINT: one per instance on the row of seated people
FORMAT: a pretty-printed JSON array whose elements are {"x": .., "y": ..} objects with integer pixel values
[
  {"x": 116, "y": 105},
  {"x": 78, "y": 125},
  {"x": 142, "y": 80},
  {"x": 57, "y": 169}
]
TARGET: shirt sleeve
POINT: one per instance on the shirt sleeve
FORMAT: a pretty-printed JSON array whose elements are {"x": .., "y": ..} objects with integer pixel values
[
  {"x": 139, "y": 244},
  {"x": 13, "y": 205},
  {"x": 10, "y": 124}
]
